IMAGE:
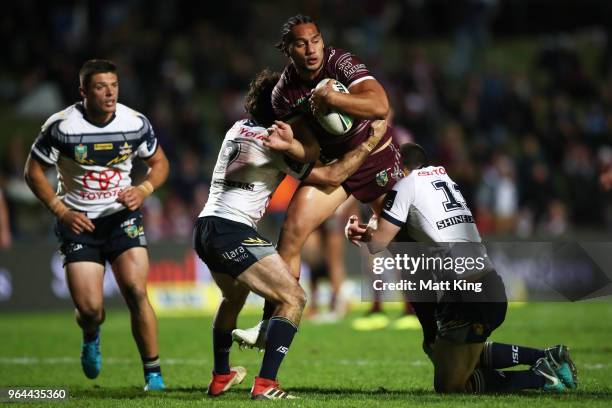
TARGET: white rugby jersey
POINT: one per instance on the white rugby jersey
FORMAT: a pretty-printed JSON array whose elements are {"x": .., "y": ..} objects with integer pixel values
[
  {"x": 94, "y": 161},
  {"x": 246, "y": 175},
  {"x": 428, "y": 204}
]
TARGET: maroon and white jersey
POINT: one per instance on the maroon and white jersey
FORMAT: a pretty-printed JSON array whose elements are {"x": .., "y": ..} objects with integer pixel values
[{"x": 291, "y": 94}]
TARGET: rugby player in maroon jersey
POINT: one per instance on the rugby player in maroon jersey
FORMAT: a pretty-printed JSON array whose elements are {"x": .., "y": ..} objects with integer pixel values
[
  {"x": 295, "y": 100},
  {"x": 310, "y": 62}
]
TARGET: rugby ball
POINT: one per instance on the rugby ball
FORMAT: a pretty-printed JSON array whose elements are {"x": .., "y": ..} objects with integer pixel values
[{"x": 336, "y": 123}]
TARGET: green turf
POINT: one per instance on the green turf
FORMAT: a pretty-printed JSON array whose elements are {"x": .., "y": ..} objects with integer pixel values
[{"x": 328, "y": 365}]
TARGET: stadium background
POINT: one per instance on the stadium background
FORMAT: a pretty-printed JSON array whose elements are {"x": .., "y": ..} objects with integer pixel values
[{"x": 512, "y": 97}]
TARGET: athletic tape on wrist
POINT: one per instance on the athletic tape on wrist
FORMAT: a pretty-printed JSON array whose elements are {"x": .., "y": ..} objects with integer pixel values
[{"x": 146, "y": 187}]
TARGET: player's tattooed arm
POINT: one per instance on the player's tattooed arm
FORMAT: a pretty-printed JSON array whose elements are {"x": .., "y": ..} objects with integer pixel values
[
  {"x": 133, "y": 197},
  {"x": 36, "y": 179},
  {"x": 280, "y": 137},
  {"x": 336, "y": 173}
]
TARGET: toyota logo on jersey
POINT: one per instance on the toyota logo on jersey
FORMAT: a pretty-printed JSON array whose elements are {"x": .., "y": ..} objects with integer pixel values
[{"x": 102, "y": 180}]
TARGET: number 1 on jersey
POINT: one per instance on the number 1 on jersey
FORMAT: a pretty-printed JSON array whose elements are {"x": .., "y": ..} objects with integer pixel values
[{"x": 455, "y": 200}]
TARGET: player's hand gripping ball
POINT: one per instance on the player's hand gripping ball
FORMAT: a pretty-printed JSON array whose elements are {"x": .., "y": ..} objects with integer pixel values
[{"x": 334, "y": 122}]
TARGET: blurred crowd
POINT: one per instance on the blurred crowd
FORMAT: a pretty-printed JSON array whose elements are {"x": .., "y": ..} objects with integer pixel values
[{"x": 525, "y": 136}]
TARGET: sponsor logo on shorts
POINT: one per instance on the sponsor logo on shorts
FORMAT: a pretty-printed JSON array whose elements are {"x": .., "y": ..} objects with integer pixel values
[
  {"x": 282, "y": 349},
  {"x": 131, "y": 228},
  {"x": 128, "y": 222},
  {"x": 382, "y": 178},
  {"x": 103, "y": 146},
  {"x": 134, "y": 231},
  {"x": 255, "y": 242},
  {"x": 72, "y": 247},
  {"x": 238, "y": 254},
  {"x": 478, "y": 329}
]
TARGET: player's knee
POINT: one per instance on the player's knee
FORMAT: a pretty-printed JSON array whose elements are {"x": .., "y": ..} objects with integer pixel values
[
  {"x": 234, "y": 300},
  {"x": 134, "y": 295},
  {"x": 298, "y": 297},
  {"x": 449, "y": 385},
  {"x": 302, "y": 298},
  {"x": 293, "y": 236},
  {"x": 292, "y": 296},
  {"x": 90, "y": 314}
]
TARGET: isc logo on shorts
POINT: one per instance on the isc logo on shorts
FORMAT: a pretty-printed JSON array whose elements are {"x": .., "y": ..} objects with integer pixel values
[{"x": 72, "y": 247}]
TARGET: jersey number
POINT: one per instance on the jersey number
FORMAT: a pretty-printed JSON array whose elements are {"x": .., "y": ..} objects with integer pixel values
[{"x": 454, "y": 199}]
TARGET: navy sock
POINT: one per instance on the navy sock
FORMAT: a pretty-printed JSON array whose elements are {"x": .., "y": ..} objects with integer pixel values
[
  {"x": 498, "y": 355},
  {"x": 487, "y": 380},
  {"x": 268, "y": 310},
  {"x": 279, "y": 337},
  {"x": 151, "y": 365},
  {"x": 520, "y": 380},
  {"x": 89, "y": 337},
  {"x": 222, "y": 342}
]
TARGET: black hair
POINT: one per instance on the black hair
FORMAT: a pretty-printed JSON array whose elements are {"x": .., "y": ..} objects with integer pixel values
[
  {"x": 413, "y": 156},
  {"x": 258, "y": 101},
  {"x": 92, "y": 67},
  {"x": 286, "y": 34}
]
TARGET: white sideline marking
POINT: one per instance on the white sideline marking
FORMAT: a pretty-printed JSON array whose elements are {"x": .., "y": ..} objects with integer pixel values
[
  {"x": 105, "y": 360},
  {"x": 184, "y": 361},
  {"x": 191, "y": 361}
]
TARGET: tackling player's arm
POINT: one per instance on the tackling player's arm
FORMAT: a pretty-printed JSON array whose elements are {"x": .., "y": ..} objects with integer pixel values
[
  {"x": 382, "y": 229},
  {"x": 37, "y": 181},
  {"x": 280, "y": 137},
  {"x": 133, "y": 197},
  {"x": 337, "y": 172},
  {"x": 366, "y": 100},
  {"x": 378, "y": 233}
]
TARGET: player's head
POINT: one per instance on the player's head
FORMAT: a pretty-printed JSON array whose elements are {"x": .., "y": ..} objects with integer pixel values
[
  {"x": 99, "y": 86},
  {"x": 413, "y": 157},
  {"x": 258, "y": 101},
  {"x": 301, "y": 40}
]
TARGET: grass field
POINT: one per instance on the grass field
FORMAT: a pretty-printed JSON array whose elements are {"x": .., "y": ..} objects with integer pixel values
[{"x": 328, "y": 365}]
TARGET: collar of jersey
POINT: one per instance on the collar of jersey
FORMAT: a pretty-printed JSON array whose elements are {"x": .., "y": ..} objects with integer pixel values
[{"x": 80, "y": 107}]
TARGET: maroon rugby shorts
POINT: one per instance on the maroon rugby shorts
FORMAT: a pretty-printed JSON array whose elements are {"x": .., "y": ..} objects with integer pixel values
[{"x": 377, "y": 175}]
